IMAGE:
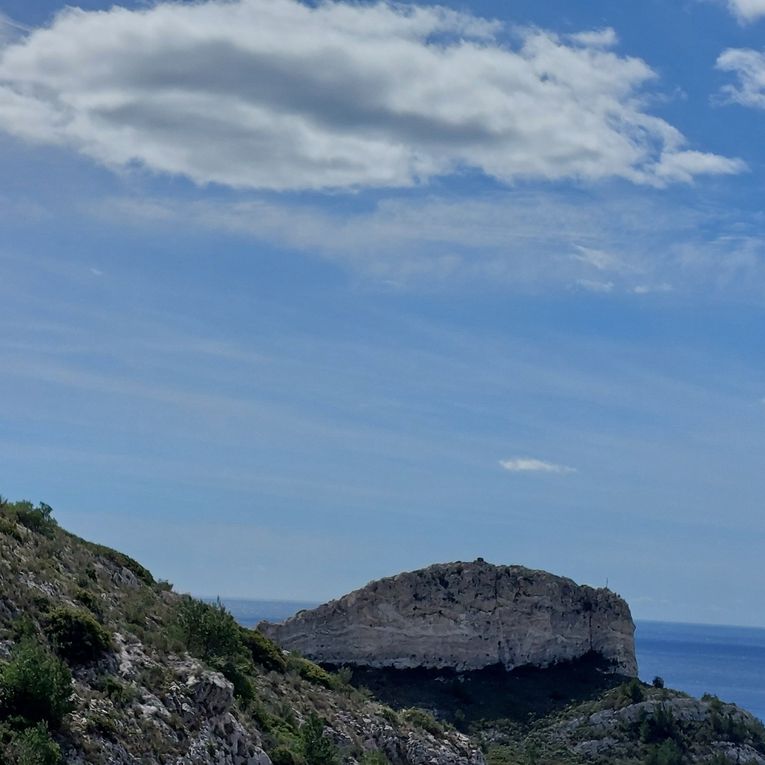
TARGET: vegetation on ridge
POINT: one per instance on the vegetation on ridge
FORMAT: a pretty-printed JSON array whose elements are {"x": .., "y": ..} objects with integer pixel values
[{"x": 101, "y": 663}]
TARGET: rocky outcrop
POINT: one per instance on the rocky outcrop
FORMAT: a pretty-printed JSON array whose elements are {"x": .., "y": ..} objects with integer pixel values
[{"x": 465, "y": 616}]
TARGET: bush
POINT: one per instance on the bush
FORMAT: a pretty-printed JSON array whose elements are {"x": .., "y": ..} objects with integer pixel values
[
  {"x": 632, "y": 691},
  {"x": 660, "y": 726},
  {"x": 667, "y": 753},
  {"x": 374, "y": 758},
  {"x": 264, "y": 651},
  {"x": 34, "y": 746},
  {"x": 35, "y": 686},
  {"x": 658, "y": 682},
  {"x": 311, "y": 672},
  {"x": 76, "y": 636},
  {"x": 37, "y": 519},
  {"x": 317, "y": 748},
  {"x": 282, "y": 755},
  {"x": 423, "y": 719},
  {"x": 208, "y": 630},
  {"x": 123, "y": 561}
]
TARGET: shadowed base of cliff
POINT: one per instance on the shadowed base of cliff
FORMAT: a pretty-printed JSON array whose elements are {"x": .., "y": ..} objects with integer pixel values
[{"x": 493, "y": 693}]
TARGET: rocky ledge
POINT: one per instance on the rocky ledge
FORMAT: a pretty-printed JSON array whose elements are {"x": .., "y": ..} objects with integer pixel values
[{"x": 465, "y": 616}]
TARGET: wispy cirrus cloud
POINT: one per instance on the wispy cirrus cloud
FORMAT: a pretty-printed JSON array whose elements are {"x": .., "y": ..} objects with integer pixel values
[
  {"x": 531, "y": 465},
  {"x": 626, "y": 244},
  {"x": 277, "y": 94}
]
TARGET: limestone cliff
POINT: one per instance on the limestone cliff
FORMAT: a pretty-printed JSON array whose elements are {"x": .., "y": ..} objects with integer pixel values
[{"x": 465, "y": 616}]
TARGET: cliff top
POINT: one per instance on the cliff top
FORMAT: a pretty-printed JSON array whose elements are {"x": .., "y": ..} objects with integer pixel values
[{"x": 465, "y": 616}]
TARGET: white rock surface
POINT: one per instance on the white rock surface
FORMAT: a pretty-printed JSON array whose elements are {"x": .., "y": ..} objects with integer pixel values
[{"x": 465, "y": 616}]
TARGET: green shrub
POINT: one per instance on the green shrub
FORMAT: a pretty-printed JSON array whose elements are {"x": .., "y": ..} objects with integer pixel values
[
  {"x": 282, "y": 755},
  {"x": 37, "y": 519},
  {"x": 123, "y": 561},
  {"x": 374, "y": 758},
  {"x": 311, "y": 672},
  {"x": 9, "y": 528},
  {"x": 632, "y": 691},
  {"x": 264, "y": 651},
  {"x": 88, "y": 599},
  {"x": 237, "y": 672},
  {"x": 33, "y": 746},
  {"x": 317, "y": 748},
  {"x": 422, "y": 719},
  {"x": 76, "y": 636},
  {"x": 667, "y": 753},
  {"x": 35, "y": 686},
  {"x": 208, "y": 630},
  {"x": 659, "y": 726}
]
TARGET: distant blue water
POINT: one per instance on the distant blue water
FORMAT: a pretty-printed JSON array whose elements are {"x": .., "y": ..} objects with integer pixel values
[
  {"x": 726, "y": 661},
  {"x": 696, "y": 658}
]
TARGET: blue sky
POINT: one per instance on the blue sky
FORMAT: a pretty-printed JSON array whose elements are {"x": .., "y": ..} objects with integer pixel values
[{"x": 293, "y": 297}]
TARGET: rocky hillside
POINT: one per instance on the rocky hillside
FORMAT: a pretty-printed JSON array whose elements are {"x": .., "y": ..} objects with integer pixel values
[
  {"x": 100, "y": 663},
  {"x": 631, "y": 725},
  {"x": 465, "y": 616}
]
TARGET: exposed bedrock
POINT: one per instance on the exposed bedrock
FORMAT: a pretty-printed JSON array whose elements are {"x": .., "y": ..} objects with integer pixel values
[{"x": 465, "y": 616}]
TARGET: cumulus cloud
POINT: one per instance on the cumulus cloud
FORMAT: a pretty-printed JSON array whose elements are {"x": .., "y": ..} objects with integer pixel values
[
  {"x": 747, "y": 10},
  {"x": 749, "y": 68},
  {"x": 276, "y": 94},
  {"x": 530, "y": 465}
]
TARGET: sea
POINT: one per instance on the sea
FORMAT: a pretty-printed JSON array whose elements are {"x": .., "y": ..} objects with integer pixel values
[{"x": 728, "y": 662}]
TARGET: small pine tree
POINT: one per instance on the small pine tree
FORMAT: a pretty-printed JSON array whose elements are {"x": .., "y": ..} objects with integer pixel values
[{"x": 317, "y": 748}]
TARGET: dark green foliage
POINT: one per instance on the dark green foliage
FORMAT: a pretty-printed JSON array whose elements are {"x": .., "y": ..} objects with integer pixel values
[
  {"x": 35, "y": 686},
  {"x": 88, "y": 599},
  {"x": 283, "y": 755},
  {"x": 124, "y": 561},
  {"x": 33, "y": 746},
  {"x": 317, "y": 748},
  {"x": 264, "y": 651},
  {"x": 424, "y": 720},
  {"x": 658, "y": 682},
  {"x": 8, "y": 527},
  {"x": 311, "y": 672},
  {"x": 76, "y": 636},
  {"x": 37, "y": 519},
  {"x": 632, "y": 691},
  {"x": 209, "y": 632},
  {"x": 237, "y": 672},
  {"x": 659, "y": 726},
  {"x": 666, "y": 753},
  {"x": 374, "y": 758}
]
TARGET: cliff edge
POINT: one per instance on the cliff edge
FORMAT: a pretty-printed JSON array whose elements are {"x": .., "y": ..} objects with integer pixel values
[{"x": 465, "y": 616}]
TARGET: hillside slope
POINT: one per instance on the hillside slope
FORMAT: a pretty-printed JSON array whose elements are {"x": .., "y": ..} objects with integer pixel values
[
  {"x": 100, "y": 663},
  {"x": 103, "y": 664}
]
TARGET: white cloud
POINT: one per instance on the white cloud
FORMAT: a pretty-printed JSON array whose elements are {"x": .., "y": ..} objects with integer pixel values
[
  {"x": 505, "y": 237},
  {"x": 749, "y": 68},
  {"x": 747, "y": 10},
  {"x": 531, "y": 465},
  {"x": 275, "y": 94},
  {"x": 647, "y": 289},
  {"x": 592, "y": 285},
  {"x": 599, "y": 259},
  {"x": 597, "y": 38}
]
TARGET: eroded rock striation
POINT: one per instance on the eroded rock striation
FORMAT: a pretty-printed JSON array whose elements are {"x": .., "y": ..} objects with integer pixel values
[{"x": 465, "y": 616}]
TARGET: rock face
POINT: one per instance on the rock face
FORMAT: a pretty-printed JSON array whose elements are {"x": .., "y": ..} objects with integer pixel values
[{"x": 465, "y": 616}]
